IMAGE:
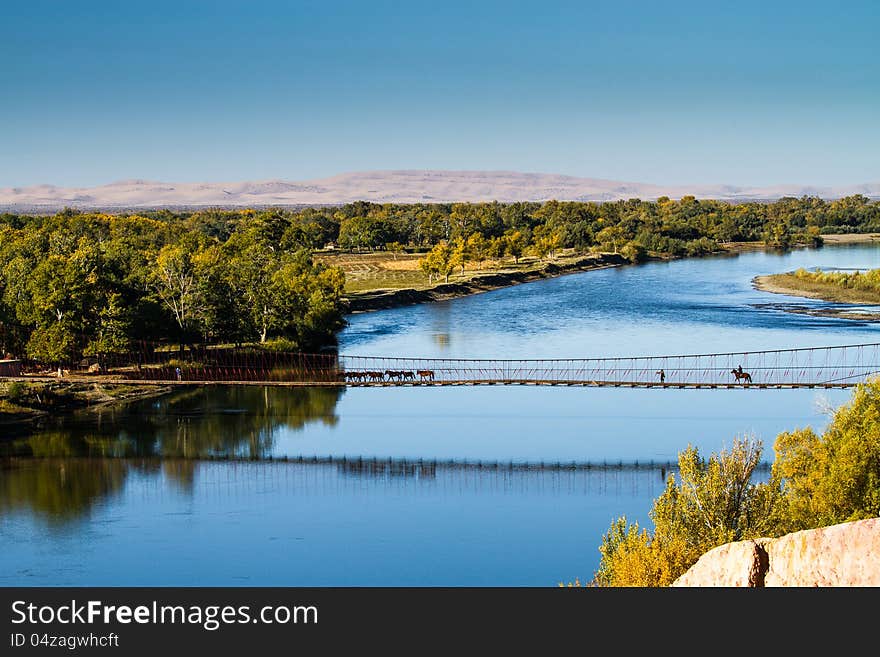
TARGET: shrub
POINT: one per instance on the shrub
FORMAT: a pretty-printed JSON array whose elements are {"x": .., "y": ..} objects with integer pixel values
[
  {"x": 16, "y": 392},
  {"x": 714, "y": 502},
  {"x": 834, "y": 477}
]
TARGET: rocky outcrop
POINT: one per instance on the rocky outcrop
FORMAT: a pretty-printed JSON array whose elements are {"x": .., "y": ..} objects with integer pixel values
[{"x": 841, "y": 555}]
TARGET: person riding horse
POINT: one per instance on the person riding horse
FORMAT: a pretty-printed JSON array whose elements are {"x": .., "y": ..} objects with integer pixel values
[{"x": 739, "y": 374}]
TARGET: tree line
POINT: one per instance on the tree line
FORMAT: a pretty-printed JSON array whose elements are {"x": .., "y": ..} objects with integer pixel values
[
  {"x": 685, "y": 227},
  {"x": 78, "y": 284}
]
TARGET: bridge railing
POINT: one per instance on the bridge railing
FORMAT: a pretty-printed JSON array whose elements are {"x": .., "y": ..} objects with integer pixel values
[
  {"x": 831, "y": 365},
  {"x": 841, "y": 365}
]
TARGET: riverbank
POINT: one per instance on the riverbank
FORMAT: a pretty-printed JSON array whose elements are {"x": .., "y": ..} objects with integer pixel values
[
  {"x": 383, "y": 299},
  {"x": 25, "y": 404},
  {"x": 363, "y": 299},
  {"x": 851, "y": 238},
  {"x": 790, "y": 285}
]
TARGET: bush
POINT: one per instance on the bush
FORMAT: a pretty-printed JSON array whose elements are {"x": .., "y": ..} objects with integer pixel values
[
  {"x": 834, "y": 477},
  {"x": 714, "y": 503},
  {"x": 16, "y": 392},
  {"x": 634, "y": 252}
]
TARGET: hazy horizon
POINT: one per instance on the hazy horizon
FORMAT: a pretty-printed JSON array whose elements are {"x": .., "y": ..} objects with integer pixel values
[
  {"x": 216, "y": 181},
  {"x": 395, "y": 186}
]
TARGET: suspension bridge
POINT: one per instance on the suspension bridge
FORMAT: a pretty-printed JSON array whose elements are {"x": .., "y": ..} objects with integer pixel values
[{"x": 841, "y": 366}]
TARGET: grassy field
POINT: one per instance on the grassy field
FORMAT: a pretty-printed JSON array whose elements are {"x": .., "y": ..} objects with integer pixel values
[{"x": 381, "y": 270}]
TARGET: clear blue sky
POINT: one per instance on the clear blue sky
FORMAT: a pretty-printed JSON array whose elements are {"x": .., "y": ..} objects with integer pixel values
[{"x": 665, "y": 92}]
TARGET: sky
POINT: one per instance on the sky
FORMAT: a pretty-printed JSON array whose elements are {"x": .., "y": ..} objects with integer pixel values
[{"x": 742, "y": 93}]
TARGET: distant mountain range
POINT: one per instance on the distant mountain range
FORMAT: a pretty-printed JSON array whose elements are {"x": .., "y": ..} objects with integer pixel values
[{"x": 406, "y": 186}]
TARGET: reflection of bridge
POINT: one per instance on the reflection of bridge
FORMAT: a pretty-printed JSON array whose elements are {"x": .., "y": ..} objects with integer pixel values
[
  {"x": 222, "y": 476},
  {"x": 811, "y": 367}
]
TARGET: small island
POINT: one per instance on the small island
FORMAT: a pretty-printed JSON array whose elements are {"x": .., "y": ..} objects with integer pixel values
[{"x": 860, "y": 287}]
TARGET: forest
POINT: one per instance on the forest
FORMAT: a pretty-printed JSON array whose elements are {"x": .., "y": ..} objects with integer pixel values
[{"x": 79, "y": 283}]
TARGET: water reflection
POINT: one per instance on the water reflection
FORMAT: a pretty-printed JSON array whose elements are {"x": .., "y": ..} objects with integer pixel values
[
  {"x": 200, "y": 422},
  {"x": 59, "y": 490},
  {"x": 64, "y": 489}
]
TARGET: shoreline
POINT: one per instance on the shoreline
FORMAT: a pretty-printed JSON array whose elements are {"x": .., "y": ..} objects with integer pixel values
[
  {"x": 68, "y": 398},
  {"x": 387, "y": 299},
  {"x": 776, "y": 284}
]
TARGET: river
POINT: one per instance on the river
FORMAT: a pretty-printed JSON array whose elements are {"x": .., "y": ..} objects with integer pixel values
[{"x": 482, "y": 486}]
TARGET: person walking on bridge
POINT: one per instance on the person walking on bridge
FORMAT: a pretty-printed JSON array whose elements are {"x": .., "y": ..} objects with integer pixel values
[{"x": 662, "y": 375}]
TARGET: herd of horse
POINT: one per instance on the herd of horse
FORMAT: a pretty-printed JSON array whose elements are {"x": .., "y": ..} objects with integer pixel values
[{"x": 389, "y": 375}]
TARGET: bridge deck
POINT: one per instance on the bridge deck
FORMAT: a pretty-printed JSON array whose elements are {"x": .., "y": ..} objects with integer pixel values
[{"x": 442, "y": 383}]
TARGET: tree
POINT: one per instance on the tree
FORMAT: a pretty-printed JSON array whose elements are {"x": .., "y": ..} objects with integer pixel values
[
  {"x": 610, "y": 238},
  {"x": 515, "y": 243},
  {"x": 440, "y": 261},
  {"x": 64, "y": 294},
  {"x": 545, "y": 241},
  {"x": 113, "y": 331},
  {"x": 364, "y": 233},
  {"x": 394, "y": 248},
  {"x": 225, "y": 315},
  {"x": 174, "y": 281},
  {"x": 715, "y": 502},
  {"x": 308, "y": 297},
  {"x": 834, "y": 477},
  {"x": 477, "y": 248},
  {"x": 778, "y": 234},
  {"x": 458, "y": 256},
  {"x": 634, "y": 252},
  {"x": 251, "y": 265}
]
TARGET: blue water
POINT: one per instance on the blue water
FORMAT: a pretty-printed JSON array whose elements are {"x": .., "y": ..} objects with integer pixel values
[
  {"x": 417, "y": 509},
  {"x": 705, "y": 305}
]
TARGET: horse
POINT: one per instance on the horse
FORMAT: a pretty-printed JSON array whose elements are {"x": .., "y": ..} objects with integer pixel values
[
  {"x": 408, "y": 375},
  {"x": 742, "y": 375},
  {"x": 426, "y": 375}
]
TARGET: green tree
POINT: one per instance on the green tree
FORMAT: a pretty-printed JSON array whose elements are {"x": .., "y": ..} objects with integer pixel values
[
  {"x": 174, "y": 281},
  {"x": 394, "y": 248},
  {"x": 112, "y": 334},
  {"x": 611, "y": 238},
  {"x": 545, "y": 241},
  {"x": 714, "y": 502},
  {"x": 364, "y": 233},
  {"x": 309, "y": 301},
  {"x": 477, "y": 248},
  {"x": 634, "y": 252},
  {"x": 440, "y": 261},
  {"x": 834, "y": 477},
  {"x": 515, "y": 243},
  {"x": 778, "y": 234},
  {"x": 251, "y": 264}
]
